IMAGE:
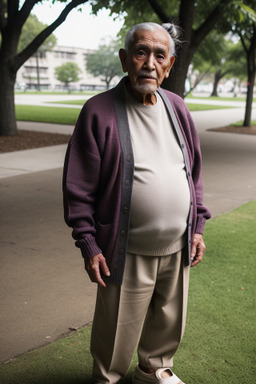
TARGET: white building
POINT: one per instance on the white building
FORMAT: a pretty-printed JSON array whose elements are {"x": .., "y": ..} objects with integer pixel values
[{"x": 45, "y": 64}]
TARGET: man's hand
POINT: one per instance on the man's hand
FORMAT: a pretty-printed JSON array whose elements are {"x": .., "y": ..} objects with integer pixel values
[
  {"x": 94, "y": 265},
  {"x": 197, "y": 250}
]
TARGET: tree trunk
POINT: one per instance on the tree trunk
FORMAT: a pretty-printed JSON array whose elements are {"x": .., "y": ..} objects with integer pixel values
[
  {"x": 8, "y": 126},
  {"x": 215, "y": 84},
  {"x": 249, "y": 100},
  {"x": 10, "y": 61},
  {"x": 177, "y": 78},
  {"x": 251, "y": 70}
]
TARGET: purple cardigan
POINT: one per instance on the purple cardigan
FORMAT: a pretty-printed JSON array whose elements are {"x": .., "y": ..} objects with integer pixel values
[{"x": 98, "y": 176}]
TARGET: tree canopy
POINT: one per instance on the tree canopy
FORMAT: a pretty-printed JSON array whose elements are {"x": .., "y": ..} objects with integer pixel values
[
  {"x": 13, "y": 16},
  {"x": 197, "y": 18},
  {"x": 30, "y": 30},
  {"x": 245, "y": 28},
  {"x": 105, "y": 62},
  {"x": 67, "y": 73},
  {"x": 219, "y": 56}
]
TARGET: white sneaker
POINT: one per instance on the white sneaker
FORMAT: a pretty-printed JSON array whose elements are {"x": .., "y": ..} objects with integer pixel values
[{"x": 141, "y": 377}]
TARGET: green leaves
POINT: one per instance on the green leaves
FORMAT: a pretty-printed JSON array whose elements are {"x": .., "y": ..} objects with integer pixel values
[
  {"x": 67, "y": 73},
  {"x": 30, "y": 30},
  {"x": 105, "y": 62}
]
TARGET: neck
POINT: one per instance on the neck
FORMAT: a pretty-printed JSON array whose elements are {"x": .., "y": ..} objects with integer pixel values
[{"x": 145, "y": 98}]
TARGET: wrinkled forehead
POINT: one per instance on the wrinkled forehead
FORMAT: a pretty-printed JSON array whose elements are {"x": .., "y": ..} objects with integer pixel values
[
  {"x": 159, "y": 38},
  {"x": 152, "y": 38}
]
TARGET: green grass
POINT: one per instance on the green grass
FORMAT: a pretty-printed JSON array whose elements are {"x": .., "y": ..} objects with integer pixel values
[
  {"x": 47, "y": 114},
  {"x": 240, "y": 123},
  {"x": 218, "y": 98},
  {"x": 219, "y": 343},
  {"x": 203, "y": 107},
  {"x": 56, "y": 92},
  {"x": 191, "y": 106},
  {"x": 62, "y": 115},
  {"x": 74, "y": 102}
]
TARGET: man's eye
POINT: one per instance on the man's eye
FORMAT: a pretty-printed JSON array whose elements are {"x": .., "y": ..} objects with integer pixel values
[
  {"x": 141, "y": 53},
  {"x": 160, "y": 57}
]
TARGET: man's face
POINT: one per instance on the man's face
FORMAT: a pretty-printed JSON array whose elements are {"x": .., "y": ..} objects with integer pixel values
[{"x": 148, "y": 62}]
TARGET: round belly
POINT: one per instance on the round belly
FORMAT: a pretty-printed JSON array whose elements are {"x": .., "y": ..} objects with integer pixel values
[{"x": 160, "y": 207}]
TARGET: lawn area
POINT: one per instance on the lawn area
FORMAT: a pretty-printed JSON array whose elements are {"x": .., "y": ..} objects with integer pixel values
[
  {"x": 205, "y": 107},
  {"x": 71, "y": 102},
  {"x": 219, "y": 344},
  {"x": 91, "y": 93},
  {"x": 42, "y": 92},
  {"x": 62, "y": 115},
  {"x": 240, "y": 123},
  {"x": 218, "y": 98},
  {"x": 47, "y": 114},
  {"x": 191, "y": 106}
]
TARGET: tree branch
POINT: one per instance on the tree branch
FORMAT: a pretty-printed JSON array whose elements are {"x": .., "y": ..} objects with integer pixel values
[
  {"x": 159, "y": 11},
  {"x": 224, "y": 73},
  {"x": 198, "y": 80},
  {"x": 25, "y": 10},
  {"x": 41, "y": 37},
  {"x": 11, "y": 18},
  {"x": 243, "y": 41},
  {"x": 3, "y": 10},
  {"x": 12, "y": 8},
  {"x": 209, "y": 22}
]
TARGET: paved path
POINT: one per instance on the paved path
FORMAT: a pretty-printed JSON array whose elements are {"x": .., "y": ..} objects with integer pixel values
[{"x": 44, "y": 289}]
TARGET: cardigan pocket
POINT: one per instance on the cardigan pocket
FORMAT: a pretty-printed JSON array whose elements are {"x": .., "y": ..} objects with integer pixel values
[{"x": 103, "y": 234}]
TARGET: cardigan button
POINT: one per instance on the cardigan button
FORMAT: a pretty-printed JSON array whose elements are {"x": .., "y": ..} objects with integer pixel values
[
  {"x": 123, "y": 233},
  {"x": 129, "y": 159},
  {"x": 125, "y": 209}
]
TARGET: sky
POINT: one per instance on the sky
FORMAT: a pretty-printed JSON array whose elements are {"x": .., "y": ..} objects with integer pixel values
[{"x": 80, "y": 29}]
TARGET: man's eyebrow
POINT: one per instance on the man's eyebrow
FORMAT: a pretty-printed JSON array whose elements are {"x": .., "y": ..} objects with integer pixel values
[
  {"x": 142, "y": 46},
  {"x": 145, "y": 47}
]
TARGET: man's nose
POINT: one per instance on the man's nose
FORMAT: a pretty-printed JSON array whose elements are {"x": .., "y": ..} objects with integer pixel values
[{"x": 150, "y": 62}]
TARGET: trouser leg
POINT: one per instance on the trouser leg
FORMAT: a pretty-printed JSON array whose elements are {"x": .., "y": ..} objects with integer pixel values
[
  {"x": 118, "y": 319},
  {"x": 120, "y": 314},
  {"x": 165, "y": 321}
]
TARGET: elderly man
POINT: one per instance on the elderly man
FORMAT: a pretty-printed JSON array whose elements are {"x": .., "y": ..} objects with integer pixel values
[{"x": 133, "y": 196}]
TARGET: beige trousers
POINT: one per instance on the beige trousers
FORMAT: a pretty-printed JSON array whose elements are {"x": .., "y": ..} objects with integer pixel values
[{"x": 148, "y": 310}]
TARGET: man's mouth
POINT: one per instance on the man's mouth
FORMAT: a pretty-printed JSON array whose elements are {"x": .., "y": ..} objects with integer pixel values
[{"x": 146, "y": 76}]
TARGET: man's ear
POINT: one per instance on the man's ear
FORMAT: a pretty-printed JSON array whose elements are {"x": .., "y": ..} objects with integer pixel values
[
  {"x": 172, "y": 60},
  {"x": 123, "y": 57}
]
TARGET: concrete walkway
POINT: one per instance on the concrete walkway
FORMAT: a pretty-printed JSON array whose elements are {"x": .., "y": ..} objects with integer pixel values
[{"x": 44, "y": 289}]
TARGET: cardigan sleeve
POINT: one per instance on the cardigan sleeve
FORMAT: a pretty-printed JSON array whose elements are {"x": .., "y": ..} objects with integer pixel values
[
  {"x": 202, "y": 211},
  {"x": 80, "y": 184}
]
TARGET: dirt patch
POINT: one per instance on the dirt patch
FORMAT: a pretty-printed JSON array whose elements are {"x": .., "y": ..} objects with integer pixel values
[
  {"x": 233, "y": 129},
  {"x": 31, "y": 139}
]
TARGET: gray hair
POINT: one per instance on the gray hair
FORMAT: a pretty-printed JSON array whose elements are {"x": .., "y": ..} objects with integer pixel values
[{"x": 173, "y": 31}]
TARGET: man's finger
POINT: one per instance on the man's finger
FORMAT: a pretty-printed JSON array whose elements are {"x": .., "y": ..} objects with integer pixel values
[
  {"x": 197, "y": 249},
  {"x": 93, "y": 267},
  {"x": 104, "y": 267}
]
